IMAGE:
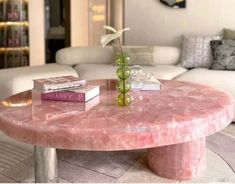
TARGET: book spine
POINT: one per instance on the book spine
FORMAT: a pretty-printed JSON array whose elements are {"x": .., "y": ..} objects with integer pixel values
[
  {"x": 47, "y": 88},
  {"x": 63, "y": 86},
  {"x": 56, "y": 88},
  {"x": 64, "y": 96}
]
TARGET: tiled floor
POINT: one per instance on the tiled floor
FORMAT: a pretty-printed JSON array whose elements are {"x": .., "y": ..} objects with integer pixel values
[{"x": 18, "y": 165}]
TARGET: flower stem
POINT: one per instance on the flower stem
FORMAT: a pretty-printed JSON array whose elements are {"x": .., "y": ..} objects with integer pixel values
[{"x": 123, "y": 71}]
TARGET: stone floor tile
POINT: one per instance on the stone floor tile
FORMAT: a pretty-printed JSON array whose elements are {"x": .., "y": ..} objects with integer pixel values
[
  {"x": 223, "y": 145},
  {"x": 75, "y": 174},
  {"x": 230, "y": 129},
  {"x": 63, "y": 181},
  {"x": 29, "y": 161},
  {"x": 13, "y": 142},
  {"x": 140, "y": 173},
  {"x": 4, "y": 179},
  {"x": 217, "y": 171},
  {"x": 11, "y": 155},
  {"x": 29, "y": 180},
  {"x": 20, "y": 173},
  {"x": 110, "y": 163},
  {"x": 32, "y": 180}
]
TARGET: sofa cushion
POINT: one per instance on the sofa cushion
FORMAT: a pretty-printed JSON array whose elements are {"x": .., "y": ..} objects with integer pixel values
[
  {"x": 166, "y": 55},
  {"x": 224, "y": 55},
  {"x": 216, "y": 78},
  {"x": 138, "y": 55},
  {"x": 16, "y": 80},
  {"x": 106, "y": 71},
  {"x": 97, "y": 55},
  {"x": 77, "y": 55},
  {"x": 96, "y": 71},
  {"x": 162, "y": 55}
]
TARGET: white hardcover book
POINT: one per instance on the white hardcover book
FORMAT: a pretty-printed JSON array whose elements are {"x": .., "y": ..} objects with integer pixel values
[{"x": 54, "y": 84}]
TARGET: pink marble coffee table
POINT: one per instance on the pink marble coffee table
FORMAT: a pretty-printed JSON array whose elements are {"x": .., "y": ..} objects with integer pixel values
[{"x": 172, "y": 124}]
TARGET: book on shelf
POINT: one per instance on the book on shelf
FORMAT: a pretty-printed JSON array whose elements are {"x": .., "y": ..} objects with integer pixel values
[
  {"x": 55, "y": 84},
  {"x": 74, "y": 95}
]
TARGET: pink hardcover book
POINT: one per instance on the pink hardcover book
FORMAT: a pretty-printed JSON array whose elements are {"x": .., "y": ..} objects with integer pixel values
[
  {"x": 58, "y": 84},
  {"x": 75, "y": 95}
]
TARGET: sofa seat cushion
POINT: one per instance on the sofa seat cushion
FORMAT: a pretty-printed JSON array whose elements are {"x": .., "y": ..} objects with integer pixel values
[
  {"x": 16, "y": 80},
  {"x": 219, "y": 79},
  {"x": 107, "y": 71}
]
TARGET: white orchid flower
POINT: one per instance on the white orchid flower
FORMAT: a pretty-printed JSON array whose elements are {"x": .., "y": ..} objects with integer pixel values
[{"x": 105, "y": 39}]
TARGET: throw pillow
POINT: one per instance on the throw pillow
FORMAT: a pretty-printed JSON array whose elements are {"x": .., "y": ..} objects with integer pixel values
[
  {"x": 214, "y": 45},
  {"x": 229, "y": 34},
  {"x": 196, "y": 52},
  {"x": 138, "y": 55},
  {"x": 224, "y": 55}
]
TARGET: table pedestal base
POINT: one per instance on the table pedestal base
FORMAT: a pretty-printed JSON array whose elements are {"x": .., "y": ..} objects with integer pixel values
[
  {"x": 179, "y": 161},
  {"x": 46, "y": 166}
]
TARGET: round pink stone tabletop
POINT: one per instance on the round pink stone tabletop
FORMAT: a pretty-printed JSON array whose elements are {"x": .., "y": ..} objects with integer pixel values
[{"x": 180, "y": 112}]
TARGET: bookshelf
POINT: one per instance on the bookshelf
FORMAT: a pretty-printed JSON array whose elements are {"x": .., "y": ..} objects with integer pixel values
[{"x": 14, "y": 33}]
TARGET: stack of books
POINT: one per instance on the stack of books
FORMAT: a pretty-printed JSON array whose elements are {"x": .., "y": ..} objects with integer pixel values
[{"x": 65, "y": 88}]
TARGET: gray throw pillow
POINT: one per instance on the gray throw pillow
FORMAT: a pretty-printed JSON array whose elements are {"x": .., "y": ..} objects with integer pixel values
[
  {"x": 196, "y": 51},
  {"x": 224, "y": 55},
  {"x": 139, "y": 55}
]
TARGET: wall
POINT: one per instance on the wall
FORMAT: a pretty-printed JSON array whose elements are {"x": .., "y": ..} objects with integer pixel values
[
  {"x": 115, "y": 13},
  {"x": 88, "y": 18},
  {"x": 36, "y": 32},
  {"x": 79, "y": 22},
  {"x": 79, "y": 28},
  {"x": 152, "y": 23}
]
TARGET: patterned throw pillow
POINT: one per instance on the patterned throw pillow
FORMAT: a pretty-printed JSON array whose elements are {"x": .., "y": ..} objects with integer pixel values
[
  {"x": 196, "y": 52},
  {"x": 224, "y": 55},
  {"x": 139, "y": 55},
  {"x": 214, "y": 45}
]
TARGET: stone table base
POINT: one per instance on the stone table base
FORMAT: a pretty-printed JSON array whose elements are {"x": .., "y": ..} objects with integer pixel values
[{"x": 179, "y": 161}]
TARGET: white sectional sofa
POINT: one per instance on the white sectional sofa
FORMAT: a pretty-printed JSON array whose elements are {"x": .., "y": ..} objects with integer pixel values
[
  {"x": 16, "y": 80},
  {"x": 97, "y": 63}
]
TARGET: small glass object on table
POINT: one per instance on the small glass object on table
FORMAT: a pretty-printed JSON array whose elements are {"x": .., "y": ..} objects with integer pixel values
[{"x": 141, "y": 80}]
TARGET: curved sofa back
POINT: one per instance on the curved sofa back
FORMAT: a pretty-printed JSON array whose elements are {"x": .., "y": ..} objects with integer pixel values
[
  {"x": 88, "y": 55},
  {"x": 15, "y": 80},
  {"x": 166, "y": 55},
  {"x": 100, "y": 55}
]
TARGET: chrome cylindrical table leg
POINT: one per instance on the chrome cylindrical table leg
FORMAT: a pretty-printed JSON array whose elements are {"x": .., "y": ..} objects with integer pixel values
[{"x": 46, "y": 166}]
